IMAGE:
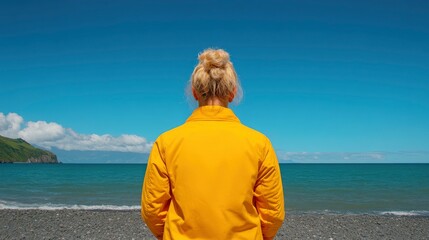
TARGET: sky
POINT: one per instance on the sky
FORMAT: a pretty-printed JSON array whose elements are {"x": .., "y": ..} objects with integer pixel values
[{"x": 320, "y": 78}]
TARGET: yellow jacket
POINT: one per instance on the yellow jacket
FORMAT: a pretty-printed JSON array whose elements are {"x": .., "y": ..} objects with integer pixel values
[{"x": 212, "y": 178}]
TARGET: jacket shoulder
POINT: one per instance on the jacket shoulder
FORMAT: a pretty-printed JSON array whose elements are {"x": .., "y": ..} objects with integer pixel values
[
  {"x": 256, "y": 134},
  {"x": 171, "y": 133}
]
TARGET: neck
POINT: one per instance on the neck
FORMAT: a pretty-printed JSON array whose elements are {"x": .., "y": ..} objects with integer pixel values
[{"x": 214, "y": 101}]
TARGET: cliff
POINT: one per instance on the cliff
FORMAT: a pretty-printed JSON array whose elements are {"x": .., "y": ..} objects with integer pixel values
[{"x": 18, "y": 150}]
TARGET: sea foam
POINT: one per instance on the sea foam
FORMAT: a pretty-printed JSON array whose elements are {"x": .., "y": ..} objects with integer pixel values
[
  {"x": 406, "y": 213},
  {"x": 50, "y": 206}
]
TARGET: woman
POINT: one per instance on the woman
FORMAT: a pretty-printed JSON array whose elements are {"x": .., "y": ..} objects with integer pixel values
[{"x": 213, "y": 177}]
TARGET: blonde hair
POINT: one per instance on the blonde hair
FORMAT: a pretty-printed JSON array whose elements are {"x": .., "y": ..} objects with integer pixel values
[{"x": 215, "y": 76}]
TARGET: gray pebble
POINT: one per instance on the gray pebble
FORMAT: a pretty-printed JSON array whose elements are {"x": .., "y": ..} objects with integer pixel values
[{"x": 80, "y": 224}]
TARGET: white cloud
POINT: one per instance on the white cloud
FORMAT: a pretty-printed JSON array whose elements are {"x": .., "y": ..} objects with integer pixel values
[
  {"x": 355, "y": 157},
  {"x": 10, "y": 124},
  {"x": 51, "y": 134},
  {"x": 331, "y": 157},
  {"x": 42, "y": 131}
]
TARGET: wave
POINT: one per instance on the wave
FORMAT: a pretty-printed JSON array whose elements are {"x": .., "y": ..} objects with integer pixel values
[
  {"x": 406, "y": 213},
  {"x": 51, "y": 206},
  {"x": 424, "y": 213}
]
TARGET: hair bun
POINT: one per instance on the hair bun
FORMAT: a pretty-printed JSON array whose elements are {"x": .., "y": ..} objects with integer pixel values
[
  {"x": 214, "y": 76},
  {"x": 213, "y": 58}
]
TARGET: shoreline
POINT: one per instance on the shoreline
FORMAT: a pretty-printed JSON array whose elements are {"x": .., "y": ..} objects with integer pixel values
[{"x": 127, "y": 224}]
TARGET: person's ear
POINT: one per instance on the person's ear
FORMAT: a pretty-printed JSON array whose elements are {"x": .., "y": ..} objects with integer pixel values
[
  {"x": 194, "y": 93},
  {"x": 232, "y": 95}
]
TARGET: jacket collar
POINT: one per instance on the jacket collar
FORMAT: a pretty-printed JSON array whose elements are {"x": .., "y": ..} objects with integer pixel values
[{"x": 213, "y": 113}]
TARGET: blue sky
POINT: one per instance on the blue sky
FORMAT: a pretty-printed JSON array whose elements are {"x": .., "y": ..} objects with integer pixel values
[{"x": 318, "y": 76}]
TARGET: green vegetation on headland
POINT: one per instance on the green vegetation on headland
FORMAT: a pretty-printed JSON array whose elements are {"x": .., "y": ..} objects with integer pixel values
[{"x": 18, "y": 150}]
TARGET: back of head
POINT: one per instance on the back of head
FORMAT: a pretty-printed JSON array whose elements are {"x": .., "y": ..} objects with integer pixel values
[{"x": 215, "y": 76}]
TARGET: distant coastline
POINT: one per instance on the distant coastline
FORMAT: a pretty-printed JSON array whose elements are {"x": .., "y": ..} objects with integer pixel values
[{"x": 20, "y": 151}]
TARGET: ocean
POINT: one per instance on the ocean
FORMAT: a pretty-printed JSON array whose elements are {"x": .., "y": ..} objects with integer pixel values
[{"x": 392, "y": 189}]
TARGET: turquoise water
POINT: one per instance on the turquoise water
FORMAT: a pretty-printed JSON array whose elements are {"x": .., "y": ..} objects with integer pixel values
[
  {"x": 357, "y": 188},
  {"x": 321, "y": 188}
]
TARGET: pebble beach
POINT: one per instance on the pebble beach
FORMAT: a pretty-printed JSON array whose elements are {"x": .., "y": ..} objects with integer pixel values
[{"x": 97, "y": 224}]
